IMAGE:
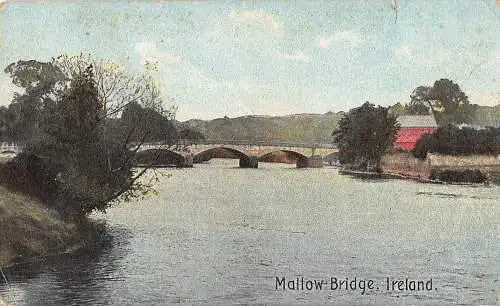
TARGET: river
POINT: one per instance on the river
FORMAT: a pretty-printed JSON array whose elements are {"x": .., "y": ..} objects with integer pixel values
[{"x": 220, "y": 234}]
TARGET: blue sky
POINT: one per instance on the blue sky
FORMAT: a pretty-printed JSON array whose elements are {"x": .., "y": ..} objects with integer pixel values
[{"x": 236, "y": 58}]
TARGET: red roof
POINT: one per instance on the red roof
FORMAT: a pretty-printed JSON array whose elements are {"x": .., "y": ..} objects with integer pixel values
[{"x": 407, "y": 138}]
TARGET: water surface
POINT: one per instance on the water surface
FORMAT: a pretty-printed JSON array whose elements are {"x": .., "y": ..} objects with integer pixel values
[{"x": 217, "y": 233}]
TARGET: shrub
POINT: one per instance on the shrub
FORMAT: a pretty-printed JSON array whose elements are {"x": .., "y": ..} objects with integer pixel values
[
  {"x": 451, "y": 140},
  {"x": 459, "y": 176}
]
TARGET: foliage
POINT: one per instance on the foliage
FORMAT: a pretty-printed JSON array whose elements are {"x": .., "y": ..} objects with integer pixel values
[
  {"x": 399, "y": 109},
  {"x": 190, "y": 133},
  {"x": 451, "y": 140},
  {"x": 364, "y": 134},
  {"x": 41, "y": 83},
  {"x": 448, "y": 102},
  {"x": 464, "y": 176},
  {"x": 418, "y": 109},
  {"x": 147, "y": 124},
  {"x": 72, "y": 142}
]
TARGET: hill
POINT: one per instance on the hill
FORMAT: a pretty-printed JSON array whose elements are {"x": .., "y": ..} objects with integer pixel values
[
  {"x": 488, "y": 115},
  {"x": 296, "y": 128}
]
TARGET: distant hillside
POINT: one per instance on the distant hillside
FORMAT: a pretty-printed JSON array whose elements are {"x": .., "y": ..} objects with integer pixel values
[
  {"x": 488, "y": 115},
  {"x": 298, "y": 127}
]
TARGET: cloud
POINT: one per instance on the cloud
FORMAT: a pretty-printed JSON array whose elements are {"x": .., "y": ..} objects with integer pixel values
[
  {"x": 299, "y": 57},
  {"x": 242, "y": 35},
  {"x": 348, "y": 37},
  {"x": 324, "y": 42},
  {"x": 403, "y": 51},
  {"x": 197, "y": 92},
  {"x": 257, "y": 19},
  {"x": 148, "y": 52}
]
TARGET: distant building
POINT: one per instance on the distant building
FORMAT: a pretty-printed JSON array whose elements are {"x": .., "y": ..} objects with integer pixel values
[{"x": 412, "y": 129}]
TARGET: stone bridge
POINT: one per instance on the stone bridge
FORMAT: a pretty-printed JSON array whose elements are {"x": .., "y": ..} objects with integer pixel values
[{"x": 187, "y": 152}]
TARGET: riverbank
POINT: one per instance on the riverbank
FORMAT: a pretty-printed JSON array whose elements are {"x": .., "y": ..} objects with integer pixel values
[
  {"x": 386, "y": 175},
  {"x": 495, "y": 179},
  {"x": 29, "y": 230},
  {"x": 467, "y": 169}
]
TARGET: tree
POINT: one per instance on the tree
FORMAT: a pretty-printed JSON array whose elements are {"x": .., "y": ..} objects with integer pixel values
[
  {"x": 77, "y": 101},
  {"x": 421, "y": 95},
  {"x": 364, "y": 134},
  {"x": 418, "y": 109},
  {"x": 40, "y": 82},
  {"x": 190, "y": 133},
  {"x": 448, "y": 102},
  {"x": 398, "y": 109},
  {"x": 148, "y": 124},
  {"x": 451, "y": 140}
]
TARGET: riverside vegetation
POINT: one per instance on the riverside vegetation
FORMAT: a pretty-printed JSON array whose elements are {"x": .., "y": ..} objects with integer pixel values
[
  {"x": 366, "y": 133},
  {"x": 77, "y": 119}
]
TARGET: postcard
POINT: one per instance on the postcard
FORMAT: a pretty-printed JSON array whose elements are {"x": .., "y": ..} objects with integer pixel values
[{"x": 249, "y": 152}]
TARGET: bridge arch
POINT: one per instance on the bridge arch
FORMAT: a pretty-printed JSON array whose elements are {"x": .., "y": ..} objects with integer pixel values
[
  {"x": 332, "y": 158},
  {"x": 246, "y": 160},
  {"x": 301, "y": 160},
  {"x": 295, "y": 155},
  {"x": 207, "y": 154},
  {"x": 162, "y": 157}
]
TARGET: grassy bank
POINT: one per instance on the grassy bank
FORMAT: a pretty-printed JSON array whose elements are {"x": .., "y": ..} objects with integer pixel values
[{"x": 30, "y": 229}]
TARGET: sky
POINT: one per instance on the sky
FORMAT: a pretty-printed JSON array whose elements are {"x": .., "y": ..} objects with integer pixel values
[{"x": 269, "y": 57}]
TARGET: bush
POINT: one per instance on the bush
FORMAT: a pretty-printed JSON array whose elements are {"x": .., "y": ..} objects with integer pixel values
[
  {"x": 459, "y": 176},
  {"x": 450, "y": 140},
  {"x": 29, "y": 174}
]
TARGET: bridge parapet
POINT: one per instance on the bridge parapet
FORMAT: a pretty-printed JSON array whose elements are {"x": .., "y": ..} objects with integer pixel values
[{"x": 256, "y": 143}]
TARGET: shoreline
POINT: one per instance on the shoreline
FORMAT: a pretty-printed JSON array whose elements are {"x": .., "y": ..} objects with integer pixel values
[
  {"x": 395, "y": 175},
  {"x": 76, "y": 247},
  {"x": 32, "y": 232}
]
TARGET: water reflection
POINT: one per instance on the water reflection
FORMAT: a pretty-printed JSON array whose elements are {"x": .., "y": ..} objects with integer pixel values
[
  {"x": 454, "y": 195},
  {"x": 70, "y": 279}
]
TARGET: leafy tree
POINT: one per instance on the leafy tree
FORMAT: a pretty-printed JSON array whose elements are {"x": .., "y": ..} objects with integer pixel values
[
  {"x": 417, "y": 109},
  {"x": 41, "y": 83},
  {"x": 78, "y": 102},
  {"x": 398, "y": 109},
  {"x": 364, "y": 134},
  {"x": 148, "y": 124},
  {"x": 447, "y": 101},
  {"x": 451, "y": 140},
  {"x": 190, "y": 133},
  {"x": 427, "y": 143},
  {"x": 422, "y": 95}
]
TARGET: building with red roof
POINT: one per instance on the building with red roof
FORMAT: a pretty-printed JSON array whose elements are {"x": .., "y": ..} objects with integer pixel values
[{"x": 412, "y": 129}]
